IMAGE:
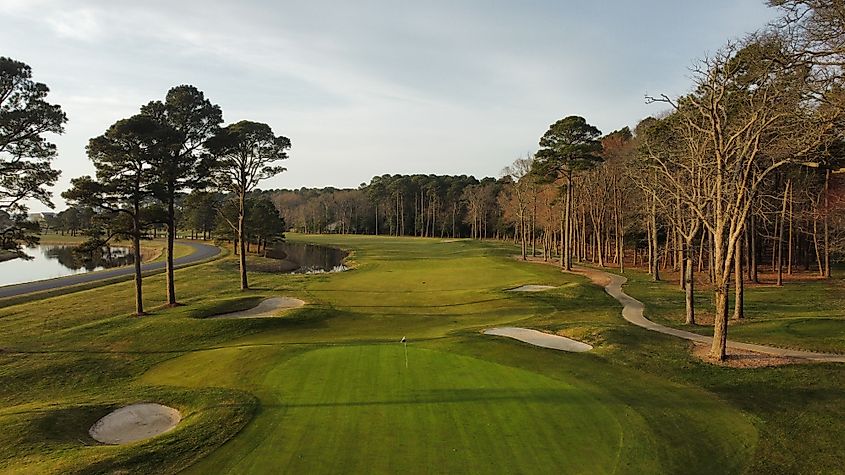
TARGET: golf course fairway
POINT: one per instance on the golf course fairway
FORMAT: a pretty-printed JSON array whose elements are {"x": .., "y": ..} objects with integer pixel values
[{"x": 327, "y": 388}]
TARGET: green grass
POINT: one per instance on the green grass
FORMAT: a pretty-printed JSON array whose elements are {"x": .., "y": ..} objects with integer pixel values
[{"x": 324, "y": 389}]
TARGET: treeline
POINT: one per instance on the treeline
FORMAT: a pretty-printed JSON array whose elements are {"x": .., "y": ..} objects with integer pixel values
[
  {"x": 796, "y": 224},
  {"x": 398, "y": 205}
]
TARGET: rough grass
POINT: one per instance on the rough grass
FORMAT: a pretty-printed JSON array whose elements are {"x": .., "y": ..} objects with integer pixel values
[{"x": 325, "y": 389}]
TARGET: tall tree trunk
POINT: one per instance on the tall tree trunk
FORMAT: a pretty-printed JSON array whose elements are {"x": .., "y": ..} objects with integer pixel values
[
  {"x": 567, "y": 253},
  {"x": 827, "y": 224},
  {"x": 648, "y": 232},
  {"x": 748, "y": 246},
  {"x": 721, "y": 276},
  {"x": 616, "y": 230},
  {"x": 711, "y": 260},
  {"x": 242, "y": 244},
  {"x": 718, "y": 349},
  {"x": 780, "y": 234},
  {"x": 171, "y": 239},
  {"x": 739, "y": 287},
  {"x": 136, "y": 251},
  {"x": 689, "y": 285},
  {"x": 562, "y": 239},
  {"x": 622, "y": 252},
  {"x": 754, "y": 252},
  {"x": 522, "y": 234},
  {"x": 434, "y": 207},
  {"x": 584, "y": 235},
  {"x": 775, "y": 243},
  {"x": 816, "y": 244},
  {"x": 789, "y": 242},
  {"x": 534, "y": 227},
  {"x": 655, "y": 276},
  {"x": 701, "y": 251},
  {"x": 680, "y": 261},
  {"x": 454, "y": 211}
]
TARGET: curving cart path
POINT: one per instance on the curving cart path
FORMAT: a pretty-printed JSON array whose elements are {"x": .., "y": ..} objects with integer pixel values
[
  {"x": 632, "y": 311},
  {"x": 201, "y": 252}
]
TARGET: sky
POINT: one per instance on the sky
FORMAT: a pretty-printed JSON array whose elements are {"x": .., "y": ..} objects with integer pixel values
[{"x": 365, "y": 88}]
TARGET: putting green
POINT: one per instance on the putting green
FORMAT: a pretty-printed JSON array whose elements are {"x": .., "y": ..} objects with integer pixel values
[{"x": 358, "y": 409}]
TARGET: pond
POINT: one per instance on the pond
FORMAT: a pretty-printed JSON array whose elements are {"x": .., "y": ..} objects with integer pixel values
[
  {"x": 308, "y": 258},
  {"x": 49, "y": 261}
]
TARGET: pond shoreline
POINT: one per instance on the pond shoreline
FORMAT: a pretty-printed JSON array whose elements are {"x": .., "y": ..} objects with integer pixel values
[
  {"x": 50, "y": 261},
  {"x": 307, "y": 258},
  {"x": 11, "y": 294}
]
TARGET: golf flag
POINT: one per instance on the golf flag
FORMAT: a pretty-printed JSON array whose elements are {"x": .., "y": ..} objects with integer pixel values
[{"x": 405, "y": 344}]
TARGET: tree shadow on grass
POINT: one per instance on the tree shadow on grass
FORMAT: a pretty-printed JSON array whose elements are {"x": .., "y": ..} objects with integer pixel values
[{"x": 459, "y": 396}]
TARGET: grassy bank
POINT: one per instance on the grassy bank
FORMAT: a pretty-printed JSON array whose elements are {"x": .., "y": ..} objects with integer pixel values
[{"x": 326, "y": 388}]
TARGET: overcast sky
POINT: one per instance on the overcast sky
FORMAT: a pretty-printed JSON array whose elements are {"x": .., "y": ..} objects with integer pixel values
[{"x": 364, "y": 88}]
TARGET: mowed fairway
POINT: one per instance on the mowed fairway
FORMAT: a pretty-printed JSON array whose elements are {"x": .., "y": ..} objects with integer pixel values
[
  {"x": 326, "y": 389},
  {"x": 339, "y": 398}
]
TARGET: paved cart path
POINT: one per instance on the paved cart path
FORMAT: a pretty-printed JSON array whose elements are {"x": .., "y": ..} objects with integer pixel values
[
  {"x": 632, "y": 311},
  {"x": 201, "y": 252}
]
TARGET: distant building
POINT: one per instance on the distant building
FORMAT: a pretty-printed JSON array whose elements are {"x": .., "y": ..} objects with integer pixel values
[{"x": 41, "y": 217}]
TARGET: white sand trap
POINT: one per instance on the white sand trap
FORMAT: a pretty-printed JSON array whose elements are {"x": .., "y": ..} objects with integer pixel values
[
  {"x": 545, "y": 340},
  {"x": 267, "y": 308},
  {"x": 135, "y": 422},
  {"x": 531, "y": 288}
]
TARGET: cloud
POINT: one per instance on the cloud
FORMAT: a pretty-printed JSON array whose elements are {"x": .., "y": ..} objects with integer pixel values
[
  {"x": 78, "y": 24},
  {"x": 370, "y": 87}
]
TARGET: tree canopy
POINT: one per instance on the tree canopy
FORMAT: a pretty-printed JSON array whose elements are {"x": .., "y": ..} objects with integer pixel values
[{"x": 26, "y": 172}]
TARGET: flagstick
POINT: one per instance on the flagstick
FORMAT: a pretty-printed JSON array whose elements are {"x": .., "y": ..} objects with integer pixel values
[{"x": 406, "y": 355}]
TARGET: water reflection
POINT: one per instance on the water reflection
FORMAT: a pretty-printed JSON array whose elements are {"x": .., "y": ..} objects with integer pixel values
[
  {"x": 48, "y": 261},
  {"x": 106, "y": 257},
  {"x": 309, "y": 258}
]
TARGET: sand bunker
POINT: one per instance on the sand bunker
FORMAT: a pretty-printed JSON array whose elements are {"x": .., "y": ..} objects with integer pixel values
[
  {"x": 267, "y": 308},
  {"x": 531, "y": 288},
  {"x": 135, "y": 422},
  {"x": 536, "y": 338}
]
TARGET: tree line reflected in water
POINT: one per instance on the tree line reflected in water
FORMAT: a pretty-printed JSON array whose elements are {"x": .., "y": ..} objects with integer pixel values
[
  {"x": 74, "y": 259},
  {"x": 308, "y": 258}
]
